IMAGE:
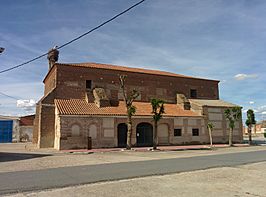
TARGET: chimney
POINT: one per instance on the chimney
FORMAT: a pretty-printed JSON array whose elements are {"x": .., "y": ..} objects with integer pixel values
[
  {"x": 100, "y": 97},
  {"x": 89, "y": 98},
  {"x": 183, "y": 101},
  {"x": 52, "y": 56}
]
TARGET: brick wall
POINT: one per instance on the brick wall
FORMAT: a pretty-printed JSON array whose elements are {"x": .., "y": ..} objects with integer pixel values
[
  {"x": 65, "y": 82},
  {"x": 44, "y": 122},
  {"x": 215, "y": 115},
  {"x": 47, "y": 127},
  {"x": 50, "y": 80},
  {"x": 106, "y": 132},
  {"x": 35, "y": 134},
  {"x": 71, "y": 83}
]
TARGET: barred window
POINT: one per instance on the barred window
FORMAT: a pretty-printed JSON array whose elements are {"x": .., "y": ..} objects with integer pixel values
[
  {"x": 195, "y": 132},
  {"x": 178, "y": 132}
]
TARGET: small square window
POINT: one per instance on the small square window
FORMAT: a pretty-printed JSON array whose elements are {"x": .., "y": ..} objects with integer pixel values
[
  {"x": 195, "y": 132},
  {"x": 193, "y": 93},
  {"x": 88, "y": 84},
  {"x": 178, "y": 132}
]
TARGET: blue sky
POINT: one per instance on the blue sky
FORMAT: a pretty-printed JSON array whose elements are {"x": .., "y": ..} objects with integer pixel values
[{"x": 224, "y": 40}]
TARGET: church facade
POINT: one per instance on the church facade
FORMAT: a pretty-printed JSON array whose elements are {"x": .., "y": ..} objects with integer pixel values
[{"x": 84, "y": 100}]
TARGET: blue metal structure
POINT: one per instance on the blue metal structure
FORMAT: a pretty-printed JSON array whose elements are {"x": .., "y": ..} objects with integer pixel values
[{"x": 6, "y": 127}]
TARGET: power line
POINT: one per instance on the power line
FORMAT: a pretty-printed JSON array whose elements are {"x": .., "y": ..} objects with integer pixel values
[
  {"x": 75, "y": 39},
  {"x": 12, "y": 97}
]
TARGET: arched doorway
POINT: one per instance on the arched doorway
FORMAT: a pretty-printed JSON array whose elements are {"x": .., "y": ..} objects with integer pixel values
[
  {"x": 122, "y": 135},
  {"x": 144, "y": 134}
]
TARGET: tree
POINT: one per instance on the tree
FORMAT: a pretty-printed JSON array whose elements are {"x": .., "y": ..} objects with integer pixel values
[
  {"x": 130, "y": 108},
  {"x": 249, "y": 122},
  {"x": 232, "y": 115},
  {"x": 210, "y": 127},
  {"x": 157, "y": 111}
]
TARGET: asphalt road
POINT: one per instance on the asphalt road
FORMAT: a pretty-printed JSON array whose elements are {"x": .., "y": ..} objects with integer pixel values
[{"x": 12, "y": 182}]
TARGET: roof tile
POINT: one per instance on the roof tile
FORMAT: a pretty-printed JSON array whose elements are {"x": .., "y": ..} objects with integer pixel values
[{"x": 81, "y": 107}]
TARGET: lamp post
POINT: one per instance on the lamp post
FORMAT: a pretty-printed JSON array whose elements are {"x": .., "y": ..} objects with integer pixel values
[{"x": 2, "y": 49}]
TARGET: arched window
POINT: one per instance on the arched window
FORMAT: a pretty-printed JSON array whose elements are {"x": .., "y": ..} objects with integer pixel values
[
  {"x": 75, "y": 130},
  {"x": 93, "y": 131}
]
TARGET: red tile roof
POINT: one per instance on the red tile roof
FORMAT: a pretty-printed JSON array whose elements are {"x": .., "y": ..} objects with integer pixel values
[
  {"x": 128, "y": 69},
  {"x": 26, "y": 120},
  {"x": 81, "y": 107}
]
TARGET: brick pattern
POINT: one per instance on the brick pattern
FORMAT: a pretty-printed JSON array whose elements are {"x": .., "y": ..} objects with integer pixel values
[
  {"x": 148, "y": 85},
  {"x": 50, "y": 81},
  {"x": 67, "y": 141},
  {"x": 186, "y": 125},
  {"x": 44, "y": 122},
  {"x": 26, "y": 120},
  {"x": 215, "y": 115},
  {"x": 124, "y": 68},
  {"x": 68, "y": 81},
  {"x": 35, "y": 134}
]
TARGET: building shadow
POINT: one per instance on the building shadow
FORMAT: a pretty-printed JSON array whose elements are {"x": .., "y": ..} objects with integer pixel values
[
  {"x": 256, "y": 142},
  {"x": 6, "y": 156}
]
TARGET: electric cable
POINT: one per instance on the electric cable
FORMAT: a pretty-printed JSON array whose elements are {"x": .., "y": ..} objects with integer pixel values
[
  {"x": 1, "y": 93},
  {"x": 75, "y": 39}
]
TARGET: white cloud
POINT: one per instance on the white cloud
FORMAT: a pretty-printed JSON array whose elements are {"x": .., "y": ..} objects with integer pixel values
[
  {"x": 242, "y": 76},
  {"x": 251, "y": 102},
  {"x": 199, "y": 44},
  {"x": 27, "y": 105},
  {"x": 262, "y": 108}
]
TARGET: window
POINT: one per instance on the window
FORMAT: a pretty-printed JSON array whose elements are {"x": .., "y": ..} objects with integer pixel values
[
  {"x": 195, "y": 132},
  {"x": 93, "y": 131},
  {"x": 178, "y": 132},
  {"x": 88, "y": 84},
  {"x": 193, "y": 93},
  {"x": 75, "y": 130}
]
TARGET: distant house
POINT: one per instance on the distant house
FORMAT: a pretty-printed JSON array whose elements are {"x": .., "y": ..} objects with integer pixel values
[
  {"x": 26, "y": 128},
  {"x": 260, "y": 127},
  {"x": 9, "y": 129},
  {"x": 263, "y": 126},
  {"x": 85, "y": 100},
  {"x": 16, "y": 129}
]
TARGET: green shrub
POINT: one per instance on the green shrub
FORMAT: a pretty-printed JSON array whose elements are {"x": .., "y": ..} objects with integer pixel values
[{"x": 265, "y": 134}]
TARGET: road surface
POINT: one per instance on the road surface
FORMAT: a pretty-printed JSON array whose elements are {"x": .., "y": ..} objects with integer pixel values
[{"x": 23, "y": 181}]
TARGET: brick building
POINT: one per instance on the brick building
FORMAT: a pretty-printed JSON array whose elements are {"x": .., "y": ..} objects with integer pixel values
[
  {"x": 84, "y": 100},
  {"x": 9, "y": 129},
  {"x": 26, "y": 128}
]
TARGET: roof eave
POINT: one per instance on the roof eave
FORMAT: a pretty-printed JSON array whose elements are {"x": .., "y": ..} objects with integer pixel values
[{"x": 150, "y": 116}]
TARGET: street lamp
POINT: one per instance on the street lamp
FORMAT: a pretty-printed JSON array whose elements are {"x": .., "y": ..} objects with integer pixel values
[{"x": 2, "y": 49}]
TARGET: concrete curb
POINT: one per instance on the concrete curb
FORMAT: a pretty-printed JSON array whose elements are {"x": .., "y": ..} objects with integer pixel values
[{"x": 149, "y": 149}]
